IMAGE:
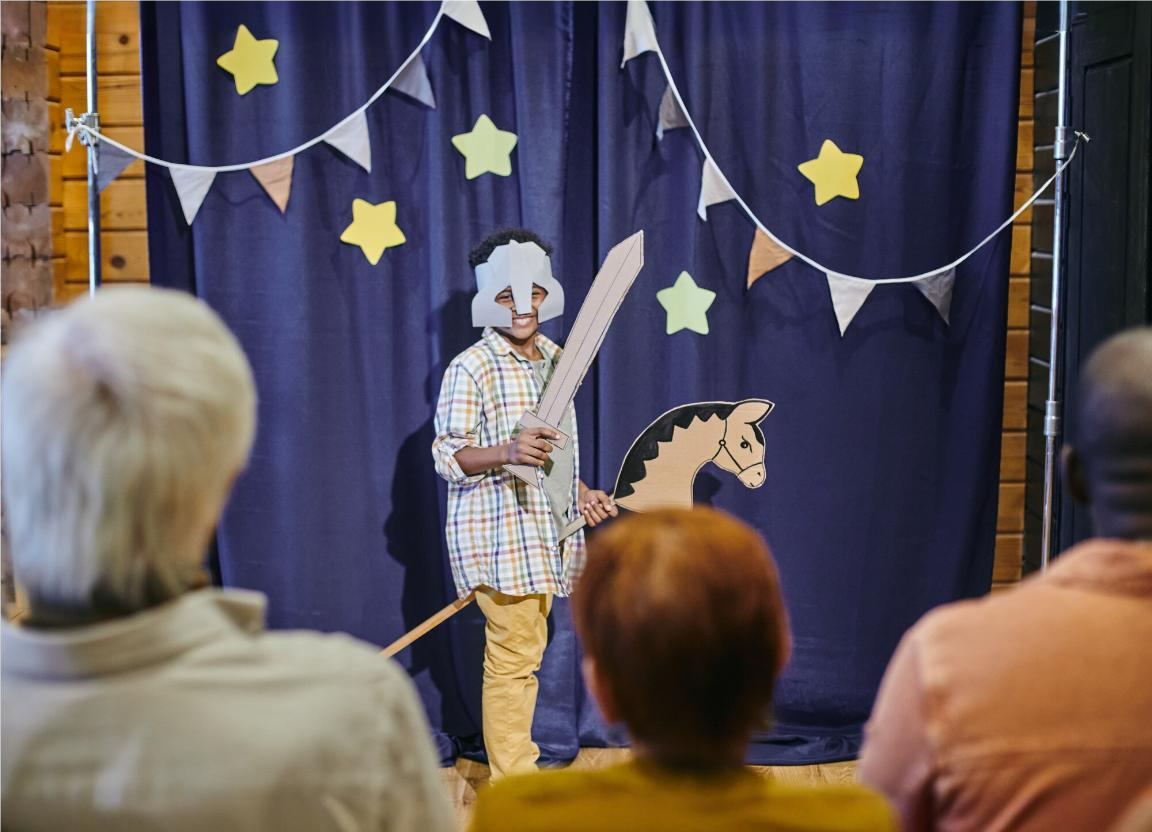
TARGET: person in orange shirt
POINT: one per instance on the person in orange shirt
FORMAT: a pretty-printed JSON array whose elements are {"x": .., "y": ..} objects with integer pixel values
[
  {"x": 685, "y": 632},
  {"x": 1031, "y": 710}
]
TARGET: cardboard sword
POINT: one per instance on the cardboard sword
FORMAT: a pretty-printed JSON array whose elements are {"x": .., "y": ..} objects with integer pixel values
[{"x": 607, "y": 292}]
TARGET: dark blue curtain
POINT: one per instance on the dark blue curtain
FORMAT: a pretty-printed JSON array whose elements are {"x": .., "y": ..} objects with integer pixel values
[{"x": 883, "y": 449}]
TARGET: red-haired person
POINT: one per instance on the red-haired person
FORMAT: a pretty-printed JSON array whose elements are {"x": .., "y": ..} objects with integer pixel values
[{"x": 684, "y": 632}]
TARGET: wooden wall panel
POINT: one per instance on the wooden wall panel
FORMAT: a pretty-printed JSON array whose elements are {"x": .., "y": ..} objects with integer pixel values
[{"x": 123, "y": 211}]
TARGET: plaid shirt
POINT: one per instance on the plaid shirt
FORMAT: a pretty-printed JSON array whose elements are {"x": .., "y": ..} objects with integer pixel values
[{"x": 501, "y": 532}]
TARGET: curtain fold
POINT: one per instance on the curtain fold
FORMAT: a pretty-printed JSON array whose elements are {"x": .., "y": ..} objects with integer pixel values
[{"x": 883, "y": 448}]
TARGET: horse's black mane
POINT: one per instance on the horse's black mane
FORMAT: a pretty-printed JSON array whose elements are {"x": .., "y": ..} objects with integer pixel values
[{"x": 647, "y": 447}]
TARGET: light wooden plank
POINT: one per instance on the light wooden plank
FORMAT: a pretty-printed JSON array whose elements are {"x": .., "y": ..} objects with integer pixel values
[
  {"x": 52, "y": 65},
  {"x": 1027, "y": 88},
  {"x": 124, "y": 255},
  {"x": 1016, "y": 355},
  {"x": 1018, "y": 289},
  {"x": 1021, "y": 249},
  {"x": 56, "y": 132},
  {"x": 118, "y": 97},
  {"x": 1012, "y": 453},
  {"x": 1021, "y": 192},
  {"x": 1009, "y": 557},
  {"x": 1010, "y": 516},
  {"x": 68, "y": 292},
  {"x": 1025, "y": 157},
  {"x": 1016, "y": 405},
  {"x": 122, "y": 206},
  {"x": 117, "y": 37}
]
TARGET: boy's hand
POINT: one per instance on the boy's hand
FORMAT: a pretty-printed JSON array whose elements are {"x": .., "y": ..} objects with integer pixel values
[
  {"x": 531, "y": 447},
  {"x": 596, "y": 507}
]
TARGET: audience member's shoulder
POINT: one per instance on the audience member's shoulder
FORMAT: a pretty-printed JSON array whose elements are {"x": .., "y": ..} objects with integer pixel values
[{"x": 844, "y": 808}]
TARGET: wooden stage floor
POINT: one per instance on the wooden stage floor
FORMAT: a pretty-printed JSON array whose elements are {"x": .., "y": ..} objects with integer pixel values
[{"x": 466, "y": 776}]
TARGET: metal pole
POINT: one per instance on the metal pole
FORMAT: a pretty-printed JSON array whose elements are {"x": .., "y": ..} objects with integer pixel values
[
  {"x": 1052, "y": 405},
  {"x": 94, "y": 261}
]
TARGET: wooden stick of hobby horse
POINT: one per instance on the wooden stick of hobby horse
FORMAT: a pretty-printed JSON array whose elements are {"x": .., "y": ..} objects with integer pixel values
[{"x": 429, "y": 624}]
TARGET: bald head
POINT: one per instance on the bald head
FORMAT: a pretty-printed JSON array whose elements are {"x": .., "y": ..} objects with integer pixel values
[{"x": 1110, "y": 464}]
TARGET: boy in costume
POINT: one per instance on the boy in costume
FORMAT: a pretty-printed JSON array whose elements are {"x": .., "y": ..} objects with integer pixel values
[{"x": 503, "y": 535}]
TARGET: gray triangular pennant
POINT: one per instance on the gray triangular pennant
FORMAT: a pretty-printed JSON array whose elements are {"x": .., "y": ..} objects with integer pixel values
[
  {"x": 111, "y": 163},
  {"x": 671, "y": 116},
  {"x": 938, "y": 289},
  {"x": 413, "y": 81}
]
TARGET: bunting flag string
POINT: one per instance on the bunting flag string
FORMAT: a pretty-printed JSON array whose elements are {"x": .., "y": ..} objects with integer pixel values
[
  {"x": 350, "y": 135},
  {"x": 848, "y": 291}
]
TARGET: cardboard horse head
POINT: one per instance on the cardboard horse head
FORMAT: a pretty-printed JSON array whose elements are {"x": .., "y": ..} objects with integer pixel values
[{"x": 661, "y": 466}]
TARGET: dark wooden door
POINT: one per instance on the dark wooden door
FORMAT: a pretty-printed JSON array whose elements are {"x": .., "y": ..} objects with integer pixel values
[{"x": 1107, "y": 243}]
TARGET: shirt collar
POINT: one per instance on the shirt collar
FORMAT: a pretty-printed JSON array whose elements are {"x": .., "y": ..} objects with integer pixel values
[
  {"x": 499, "y": 345},
  {"x": 125, "y": 644},
  {"x": 1116, "y": 567}
]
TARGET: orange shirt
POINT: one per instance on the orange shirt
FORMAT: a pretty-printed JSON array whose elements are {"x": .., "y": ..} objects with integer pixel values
[
  {"x": 639, "y": 796},
  {"x": 1030, "y": 710}
]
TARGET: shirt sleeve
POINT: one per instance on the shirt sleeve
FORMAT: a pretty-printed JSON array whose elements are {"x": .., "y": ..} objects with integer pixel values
[
  {"x": 897, "y": 759},
  {"x": 415, "y": 799},
  {"x": 458, "y": 415}
]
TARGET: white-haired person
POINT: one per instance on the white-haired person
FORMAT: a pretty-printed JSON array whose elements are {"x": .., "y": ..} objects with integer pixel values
[{"x": 133, "y": 695}]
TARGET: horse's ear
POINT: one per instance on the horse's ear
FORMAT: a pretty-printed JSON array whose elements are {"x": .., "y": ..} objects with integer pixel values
[{"x": 751, "y": 411}]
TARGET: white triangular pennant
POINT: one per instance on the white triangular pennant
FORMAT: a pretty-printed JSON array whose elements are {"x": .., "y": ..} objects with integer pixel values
[
  {"x": 467, "y": 13},
  {"x": 413, "y": 82},
  {"x": 639, "y": 31},
  {"x": 111, "y": 163},
  {"x": 671, "y": 116},
  {"x": 938, "y": 289},
  {"x": 848, "y": 295},
  {"x": 192, "y": 186},
  {"x": 713, "y": 189},
  {"x": 351, "y": 139}
]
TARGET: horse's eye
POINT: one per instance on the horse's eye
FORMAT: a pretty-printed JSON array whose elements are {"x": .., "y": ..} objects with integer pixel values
[{"x": 744, "y": 444}]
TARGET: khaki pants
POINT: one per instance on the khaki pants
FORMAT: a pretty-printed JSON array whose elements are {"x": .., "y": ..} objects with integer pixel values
[{"x": 515, "y": 637}]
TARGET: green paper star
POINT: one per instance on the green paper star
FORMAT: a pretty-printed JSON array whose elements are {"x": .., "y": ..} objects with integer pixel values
[
  {"x": 486, "y": 149},
  {"x": 686, "y": 304}
]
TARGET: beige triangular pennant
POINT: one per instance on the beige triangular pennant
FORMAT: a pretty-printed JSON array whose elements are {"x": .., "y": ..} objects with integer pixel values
[
  {"x": 848, "y": 295},
  {"x": 671, "y": 116},
  {"x": 639, "y": 31},
  {"x": 938, "y": 289},
  {"x": 468, "y": 14},
  {"x": 351, "y": 139},
  {"x": 276, "y": 179},
  {"x": 765, "y": 255},
  {"x": 192, "y": 184}
]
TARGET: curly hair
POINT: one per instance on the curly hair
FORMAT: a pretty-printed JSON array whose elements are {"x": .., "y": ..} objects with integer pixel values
[{"x": 483, "y": 251}]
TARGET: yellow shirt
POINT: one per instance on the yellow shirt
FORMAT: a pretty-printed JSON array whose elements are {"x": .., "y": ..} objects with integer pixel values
[{"x": 640, "y": 795}]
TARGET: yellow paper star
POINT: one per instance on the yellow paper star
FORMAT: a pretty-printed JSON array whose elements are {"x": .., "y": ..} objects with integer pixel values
[
  {"x": 833, "y": 173},
  {"x": 250, "y": 61},
  {"x": 486, "y": 149},
  {"x": 373, "y": 228}
]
